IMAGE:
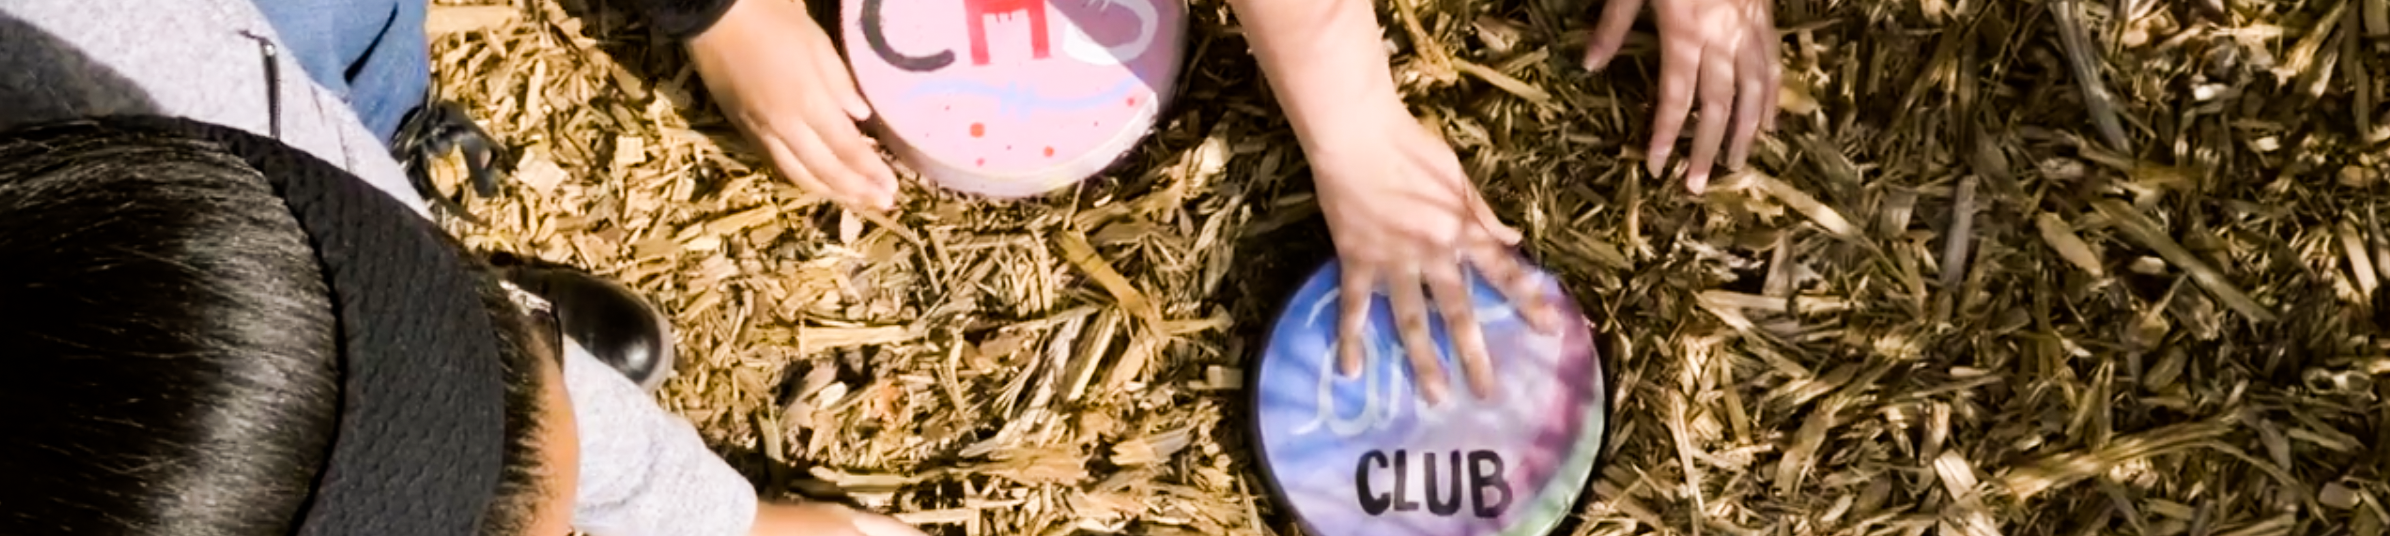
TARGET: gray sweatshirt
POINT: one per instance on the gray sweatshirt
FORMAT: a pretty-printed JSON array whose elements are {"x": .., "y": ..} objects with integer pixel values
[{"x": 643, "y": 471}]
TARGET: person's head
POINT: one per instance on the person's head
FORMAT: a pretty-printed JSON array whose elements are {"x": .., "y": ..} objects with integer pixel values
[{"x": 173, "y": 356}]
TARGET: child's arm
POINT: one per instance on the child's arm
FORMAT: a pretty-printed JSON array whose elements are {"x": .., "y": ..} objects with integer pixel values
[
  {"x": 1325, "y": 61},
  {"x": 825, "y": 519},
  {"x": 1403, "y": 214}
]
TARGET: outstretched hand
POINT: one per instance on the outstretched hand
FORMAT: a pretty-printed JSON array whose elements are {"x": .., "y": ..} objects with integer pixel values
[
  {"x": 1723, "y": 49},
  {"x": 824, "y": 519},
  {"x": 1405, "y": 220},
  {"x": 779, "y": 78}
]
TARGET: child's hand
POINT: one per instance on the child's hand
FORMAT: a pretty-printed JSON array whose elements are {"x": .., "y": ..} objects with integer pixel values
[
  {"x": 779, "y": 78},
  {"x": 1404, "y": 218},
  {"x": 1729, "y": 46},
  {"x": 823, "y": 519}
]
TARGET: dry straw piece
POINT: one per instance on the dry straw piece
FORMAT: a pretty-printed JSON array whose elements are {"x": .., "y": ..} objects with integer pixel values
[{"x": 1950, "y": 296}]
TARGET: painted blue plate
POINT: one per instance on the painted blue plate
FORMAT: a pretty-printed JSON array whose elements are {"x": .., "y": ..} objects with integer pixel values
[{"x": 1366, "y": 456}]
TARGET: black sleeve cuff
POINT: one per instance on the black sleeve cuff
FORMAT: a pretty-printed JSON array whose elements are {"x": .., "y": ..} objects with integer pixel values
[{"x": 683, "y": 19}]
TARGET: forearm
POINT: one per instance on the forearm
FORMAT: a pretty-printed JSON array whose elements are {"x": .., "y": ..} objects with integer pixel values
[{"x": 1324, "y": 60}]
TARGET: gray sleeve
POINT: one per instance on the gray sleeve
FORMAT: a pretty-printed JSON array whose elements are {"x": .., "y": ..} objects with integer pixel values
[{"x": 645, "y": 472}]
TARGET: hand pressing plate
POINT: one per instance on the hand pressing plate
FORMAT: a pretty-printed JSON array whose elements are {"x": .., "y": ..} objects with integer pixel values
[{"x": 1366, "y": 456}]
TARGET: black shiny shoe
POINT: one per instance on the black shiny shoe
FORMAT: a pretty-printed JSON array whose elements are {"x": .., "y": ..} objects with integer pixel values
[
  {"x": 432, "y": 131},
  {"x": 613, "y": 322}
]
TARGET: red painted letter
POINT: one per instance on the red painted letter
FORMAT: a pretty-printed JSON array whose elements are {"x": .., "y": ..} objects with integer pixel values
[{"x": 980, "y": 10}]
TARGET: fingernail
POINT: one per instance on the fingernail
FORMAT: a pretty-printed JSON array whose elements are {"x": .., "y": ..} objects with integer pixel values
[
  {"x": 1595, "y": 62},
  {"x": 1658, "y": 163},
  {"x": 1697, "y": 182}
]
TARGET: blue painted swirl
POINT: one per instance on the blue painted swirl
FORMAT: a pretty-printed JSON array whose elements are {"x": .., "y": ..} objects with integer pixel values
[{"x": 1017, "y": 100}]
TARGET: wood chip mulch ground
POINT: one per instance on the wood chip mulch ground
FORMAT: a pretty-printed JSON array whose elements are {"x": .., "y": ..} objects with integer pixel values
[{"x": 2008, "y": 267}]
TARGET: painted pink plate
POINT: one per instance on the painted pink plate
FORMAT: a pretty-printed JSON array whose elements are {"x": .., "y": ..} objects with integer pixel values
[{"x": 1014, "y": 98}]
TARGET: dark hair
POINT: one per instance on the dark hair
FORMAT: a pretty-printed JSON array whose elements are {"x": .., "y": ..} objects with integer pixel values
[
  {"x": 521, "y": 487},
  {"x": 174, "y": 353}
]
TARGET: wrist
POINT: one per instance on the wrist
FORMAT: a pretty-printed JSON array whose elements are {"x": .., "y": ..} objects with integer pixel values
[
  {"x": 1333, "y": 127},
  {"x": 1325, "y": 62}
]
